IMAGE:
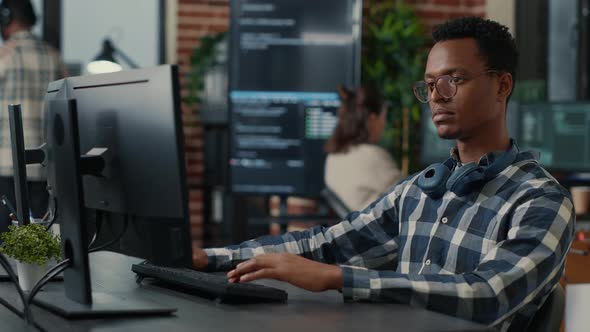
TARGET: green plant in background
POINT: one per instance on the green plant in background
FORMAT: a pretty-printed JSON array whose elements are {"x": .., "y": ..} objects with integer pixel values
[
  {"x": 31, "y": 244},
  {"x": 393, "y": 58},
  {"x": 202, "y": 58}
]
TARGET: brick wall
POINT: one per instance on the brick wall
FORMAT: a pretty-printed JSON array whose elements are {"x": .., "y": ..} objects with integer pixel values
[
  {"x": 434, "y": 12},
  {"x": 197, "y": 18}
]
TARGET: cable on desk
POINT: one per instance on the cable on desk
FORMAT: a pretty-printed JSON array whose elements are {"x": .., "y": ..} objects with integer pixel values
[
  {"x": 26, "y": 313},
  {"x": 113, "y": 241},
  {"x": 50, "y": 274},
  {"x": 98, "y": 223}
]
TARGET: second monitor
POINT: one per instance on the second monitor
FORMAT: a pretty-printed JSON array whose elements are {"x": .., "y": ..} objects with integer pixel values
[{"x": 135, "y": 117}]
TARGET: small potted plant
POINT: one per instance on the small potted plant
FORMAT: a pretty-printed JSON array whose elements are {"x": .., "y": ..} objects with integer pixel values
[{"x": 31, "y": 246}]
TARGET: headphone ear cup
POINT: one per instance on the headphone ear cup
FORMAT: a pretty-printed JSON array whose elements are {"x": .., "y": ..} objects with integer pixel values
[
  {"x": 460, "y": 181},
  {"x": 433, "y": 180},
  {"x": 5, "y": 16}
]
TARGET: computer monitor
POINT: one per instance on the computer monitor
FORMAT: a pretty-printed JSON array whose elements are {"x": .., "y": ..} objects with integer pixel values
[
  {"x": 136, "y": 116},
  {"x": 115, "y": 144},
  {"x": 560, "y": 131},
  {"x": 287, "y": 59}
]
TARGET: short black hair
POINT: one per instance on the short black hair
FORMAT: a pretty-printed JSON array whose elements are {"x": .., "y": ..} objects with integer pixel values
[
  {"x": 496, "y": 44},
  {"x": 21, "y": 10}
]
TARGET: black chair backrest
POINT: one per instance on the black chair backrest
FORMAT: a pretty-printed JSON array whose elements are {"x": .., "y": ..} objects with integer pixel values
[
  {"x": 548, "y": 318},
  {"x": 335, "y": 203}
]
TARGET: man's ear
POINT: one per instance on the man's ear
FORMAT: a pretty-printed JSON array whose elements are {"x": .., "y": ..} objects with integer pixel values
[{"x": 505, "y": 86}]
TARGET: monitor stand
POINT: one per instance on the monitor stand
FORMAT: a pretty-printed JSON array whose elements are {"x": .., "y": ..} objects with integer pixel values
[
  {"x": 19, "y": 164},
  {"x": 65, "y": 184},
  {"x": 21, "y": 157},
  {"x": 102, "y": 305}
]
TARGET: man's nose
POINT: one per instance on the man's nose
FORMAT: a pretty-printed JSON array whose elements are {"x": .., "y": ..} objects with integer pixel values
[{"x": 435, "y": 96}]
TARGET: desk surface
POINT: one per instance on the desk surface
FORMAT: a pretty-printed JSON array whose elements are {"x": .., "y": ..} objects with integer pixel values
[{"x": 304, "y": 312}]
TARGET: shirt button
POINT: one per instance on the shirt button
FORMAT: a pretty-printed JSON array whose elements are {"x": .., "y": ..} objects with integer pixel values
[
  {"x": 444, "y": 220},
  {"x": 427, "y": 262}
]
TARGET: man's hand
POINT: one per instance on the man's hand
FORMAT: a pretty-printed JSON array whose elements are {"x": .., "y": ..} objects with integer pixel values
[
  {"x": 296, "y": 270},
  {"x": 200, "y": 259}
]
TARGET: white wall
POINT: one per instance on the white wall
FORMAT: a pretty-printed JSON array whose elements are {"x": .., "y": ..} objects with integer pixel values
[
  {"x": 502, "y": 11},
  {"x": 132, "y": 25},
  {"x": 171, "y": 30},
  {"x": 38, "y": 6}
]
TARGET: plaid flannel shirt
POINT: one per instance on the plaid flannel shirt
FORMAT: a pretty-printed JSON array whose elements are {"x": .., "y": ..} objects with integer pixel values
[
  {"x": 492, "y": 256},
  {"x": 27, "y": 65}
]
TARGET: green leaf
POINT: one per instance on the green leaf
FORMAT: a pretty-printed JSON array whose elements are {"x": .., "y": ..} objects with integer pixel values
[
  {"x": 201, "y": 59},
  {"x": 393, "y": 57}
]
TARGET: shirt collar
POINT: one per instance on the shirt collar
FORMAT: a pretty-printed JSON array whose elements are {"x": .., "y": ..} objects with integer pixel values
[
  {"x": 23, "y": 34},
  {"x": 485, "y": 160}
]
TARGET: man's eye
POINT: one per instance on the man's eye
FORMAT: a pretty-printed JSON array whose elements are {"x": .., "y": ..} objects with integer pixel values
[
  {"x": 431, "y": 85},
  {"x": 457, "y": 80}
]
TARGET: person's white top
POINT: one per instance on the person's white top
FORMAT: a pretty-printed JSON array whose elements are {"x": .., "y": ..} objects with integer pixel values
[{"x": 360, "y": 175}]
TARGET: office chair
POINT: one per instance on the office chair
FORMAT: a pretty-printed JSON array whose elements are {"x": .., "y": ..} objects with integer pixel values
[
  {"x": 548, "y": 318},
  {"x": 335, "y": 203}
]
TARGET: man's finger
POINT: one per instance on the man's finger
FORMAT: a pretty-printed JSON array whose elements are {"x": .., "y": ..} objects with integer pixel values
[
  {"x": 258, "y": 274},
  {"x": 243, "y": 268},
  {"x": 256, "y": 263}
]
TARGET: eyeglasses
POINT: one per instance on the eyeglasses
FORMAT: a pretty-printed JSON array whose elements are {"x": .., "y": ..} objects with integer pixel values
[{"x": 445, "y": 85}]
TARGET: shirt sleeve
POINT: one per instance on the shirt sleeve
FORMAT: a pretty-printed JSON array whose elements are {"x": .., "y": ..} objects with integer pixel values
[
  {"x": 524, "y": 266},
  {"x": 365, "y": 238}
]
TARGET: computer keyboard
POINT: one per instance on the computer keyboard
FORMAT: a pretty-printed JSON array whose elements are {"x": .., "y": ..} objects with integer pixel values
[{"x": 209, "y": 285}]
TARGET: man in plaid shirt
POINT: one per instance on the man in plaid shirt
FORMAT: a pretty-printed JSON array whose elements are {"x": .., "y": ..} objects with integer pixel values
[
  {"x": 487, "y": 241},
  {"x": 27, "y": 65}
]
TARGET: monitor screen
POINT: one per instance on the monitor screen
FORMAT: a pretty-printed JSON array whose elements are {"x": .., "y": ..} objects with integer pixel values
[
  {"x": 560, "y": 132},
  {"x": 287, "y": 59}
]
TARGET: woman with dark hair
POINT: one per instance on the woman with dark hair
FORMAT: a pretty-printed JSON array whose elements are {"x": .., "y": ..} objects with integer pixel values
[{"x": 357, "y": 170}]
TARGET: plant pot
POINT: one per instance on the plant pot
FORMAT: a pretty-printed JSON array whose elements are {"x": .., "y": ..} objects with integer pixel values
[{"x": 29, "y": 274}]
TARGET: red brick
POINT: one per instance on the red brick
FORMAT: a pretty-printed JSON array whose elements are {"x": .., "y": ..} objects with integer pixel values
[
  {"x": 431, "y": 14},
  {"x": 197, "y": 244},
  {"x": 195, "y": 195},
  {"x": 474, "y": 2},
  {"x": 463, "y": 14},
  {"x": 448, "y": 2},
  {"x": 205, "y": 2},
  {"x": 195, "y": 207}
]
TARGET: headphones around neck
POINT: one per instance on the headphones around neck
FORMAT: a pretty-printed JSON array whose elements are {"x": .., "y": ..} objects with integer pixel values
[
  {"x": 5, "y": 15},
  {"x": 437, "y": 179}
]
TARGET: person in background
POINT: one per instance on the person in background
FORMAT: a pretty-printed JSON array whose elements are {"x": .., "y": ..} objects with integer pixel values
[
  {"x": 27, "y": 65},
  {"x": 482, "y": 236},
  {"x": 357, "y": 170}
]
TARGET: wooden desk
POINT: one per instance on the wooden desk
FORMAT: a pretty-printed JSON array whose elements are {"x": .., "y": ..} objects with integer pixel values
[{"x": 577, "y": 267}]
